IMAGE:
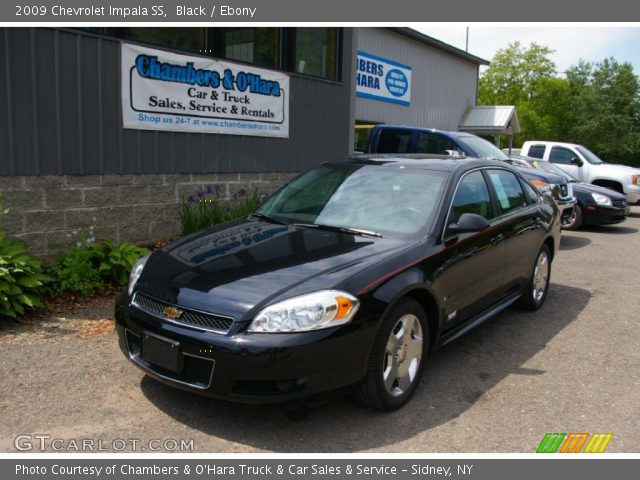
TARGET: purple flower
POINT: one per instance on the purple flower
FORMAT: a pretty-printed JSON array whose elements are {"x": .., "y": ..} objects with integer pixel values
[
  {"x": 209, "y": 189},
  {"x": 242, "y": 192},
  {"x": 191, "y": 199},
  {"x": 200, "y": 194}
]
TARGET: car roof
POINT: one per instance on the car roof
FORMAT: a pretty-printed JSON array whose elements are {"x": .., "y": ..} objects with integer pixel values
[
  {"x": 548, "y": 142},
  {"x": 444, "y": 163},
  {"x": 426, "y": 129}
]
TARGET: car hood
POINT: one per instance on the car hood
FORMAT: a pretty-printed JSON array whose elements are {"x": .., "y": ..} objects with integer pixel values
[
  {"x": 587, "y": 188},
  {"x": 612, "y": 168},
  {"x": 547, "y": 177},
  {"x": 237, "y": 268}
]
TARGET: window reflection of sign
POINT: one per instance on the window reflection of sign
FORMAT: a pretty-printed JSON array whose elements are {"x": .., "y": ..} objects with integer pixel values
[{"x": 227, "y": 242}]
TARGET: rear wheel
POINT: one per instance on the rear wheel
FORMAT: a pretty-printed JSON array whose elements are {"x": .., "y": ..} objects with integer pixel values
[
  {"x": 536, "y": 292},
  {"x": 573, "y": 221},
  {"x": 397, "y": 358}
]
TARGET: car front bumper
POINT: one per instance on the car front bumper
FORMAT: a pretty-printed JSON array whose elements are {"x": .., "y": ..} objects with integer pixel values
[
  {"x": 601, "y": 215},
  {"x": 565, "y": 206},
  {"x": 249, "y": 367},
  {"x": 632, "y": 193}
]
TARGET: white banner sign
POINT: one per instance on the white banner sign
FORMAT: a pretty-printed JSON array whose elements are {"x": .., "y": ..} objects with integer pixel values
[
  {"x": 168, "y": 91},
  {"x": 379, "y": 78}
]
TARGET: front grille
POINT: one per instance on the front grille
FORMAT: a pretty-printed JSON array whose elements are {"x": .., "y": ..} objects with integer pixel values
[
  {"x": 564, "y": 190},
  {"x": 620, "y": 203},
  {"x": 196, "y": 371},
  {"x": 192, "y": 318}
]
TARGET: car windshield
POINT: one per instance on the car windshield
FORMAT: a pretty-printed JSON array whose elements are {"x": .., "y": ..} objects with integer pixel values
[
  {"x": 551, "y": 168},
  {"x": 390, "y": 199},
  {"x": 483, "y": 148},
  {"x": 589, "y": 155}
]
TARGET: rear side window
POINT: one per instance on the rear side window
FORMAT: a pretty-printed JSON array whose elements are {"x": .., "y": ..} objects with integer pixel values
[
  {"x": 434, "y": 143},
  {"x": 394, "y": 141},
  {"x": 536, "y": 151},
  {"x": 561, "y": 155},
  {"x": 530, "y": 193},
  {"x": 472, "y": 196},
  {"x": 508, "y": 190}
]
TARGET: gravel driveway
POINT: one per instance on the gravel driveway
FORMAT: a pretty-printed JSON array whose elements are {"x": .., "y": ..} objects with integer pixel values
[{"x": 573, "y": 366}]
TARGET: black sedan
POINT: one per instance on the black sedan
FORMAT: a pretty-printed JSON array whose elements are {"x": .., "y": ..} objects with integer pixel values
[
  {"x": 348, "y": 276},
  {"x": 594, "y": 205}
]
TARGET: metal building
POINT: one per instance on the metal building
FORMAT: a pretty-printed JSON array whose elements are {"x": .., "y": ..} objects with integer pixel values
[
  {"x": 116, "y": 127},
  {"x": 444, "y": 79}
]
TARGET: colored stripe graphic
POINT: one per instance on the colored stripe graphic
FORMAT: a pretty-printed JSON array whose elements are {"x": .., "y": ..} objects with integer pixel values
[
  {"x": 573, "y": 442},
  {"x": 550, "y": 442},
  {"x": 598, "y": 443}
]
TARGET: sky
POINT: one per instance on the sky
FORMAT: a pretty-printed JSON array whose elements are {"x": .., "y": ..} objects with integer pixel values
[{"x": 570, "y": 42}]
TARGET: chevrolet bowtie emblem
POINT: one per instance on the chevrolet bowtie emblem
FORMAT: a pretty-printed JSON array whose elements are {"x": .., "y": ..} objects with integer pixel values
[{"x": 171, "y": 312}]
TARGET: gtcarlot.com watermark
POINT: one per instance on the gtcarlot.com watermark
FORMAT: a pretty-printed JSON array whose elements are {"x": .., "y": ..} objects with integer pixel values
[{"x": 42, "y": 442}]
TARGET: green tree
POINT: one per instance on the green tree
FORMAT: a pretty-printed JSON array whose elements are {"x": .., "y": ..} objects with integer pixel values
[
  {"x": 514, "y": 74},
  {"x": 606, "y": 106}
]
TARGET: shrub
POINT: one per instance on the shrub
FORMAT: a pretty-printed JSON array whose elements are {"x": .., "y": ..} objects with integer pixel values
[
  {"x": 119, "y": 261},
  {"x": 206, "y": 208},
  {"x": 21, "y": 276},
  {"x": 21, "y": 279},
  {"x": 86, "y": 269},
  {"x": 77, "y": 270}
]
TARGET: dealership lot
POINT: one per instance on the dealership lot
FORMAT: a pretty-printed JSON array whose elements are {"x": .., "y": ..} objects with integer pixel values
[{"x": 573, "y": 366}]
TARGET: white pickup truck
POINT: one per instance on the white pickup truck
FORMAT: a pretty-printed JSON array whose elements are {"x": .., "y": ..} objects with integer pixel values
[{"x": 585, "y": 165}]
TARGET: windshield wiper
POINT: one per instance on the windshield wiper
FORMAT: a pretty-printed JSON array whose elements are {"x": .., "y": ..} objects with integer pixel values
[
  {"x": 353, "y": 231},
  {"x": 267, "y": 218}
]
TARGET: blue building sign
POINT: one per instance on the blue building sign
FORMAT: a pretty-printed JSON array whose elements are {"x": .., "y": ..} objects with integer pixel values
[{"x": 379, "y": 78}]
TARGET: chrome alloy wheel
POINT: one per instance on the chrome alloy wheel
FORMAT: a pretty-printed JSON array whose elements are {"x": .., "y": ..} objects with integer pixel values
[
  {"x": 568, "y": 221},
  {"x": 540, "y": 277},
  {"x": 402, "y": 355}
]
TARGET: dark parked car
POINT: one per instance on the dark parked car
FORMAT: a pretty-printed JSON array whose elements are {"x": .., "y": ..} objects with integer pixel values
[
  {"x": 348, "y": 276},
  {"x": 403, "y": 139},
  {"x": 595, "y": 205}
]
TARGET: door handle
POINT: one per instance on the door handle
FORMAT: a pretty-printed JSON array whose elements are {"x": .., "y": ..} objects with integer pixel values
[{"x": 495, "y": 240}]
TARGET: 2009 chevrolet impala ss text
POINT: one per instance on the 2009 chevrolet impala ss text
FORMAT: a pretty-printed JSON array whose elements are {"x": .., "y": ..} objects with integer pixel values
[{"x": 347, "y": 277}]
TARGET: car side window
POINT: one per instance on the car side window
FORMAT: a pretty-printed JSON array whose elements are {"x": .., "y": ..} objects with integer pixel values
[
  {"x": 530, "y": 193},
  {"x": 508, "y": 190},
  {"x": 561, "y": 155},
  {"x": 472, "y": 196},
  {"x": 394, "y": 140},
  {"x": 536, "y": 151},
  {"x": 437, "y": 144}
]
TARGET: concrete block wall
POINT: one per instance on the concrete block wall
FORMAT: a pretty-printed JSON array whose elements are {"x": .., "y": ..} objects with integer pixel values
[{"x": 49, "y": 212}]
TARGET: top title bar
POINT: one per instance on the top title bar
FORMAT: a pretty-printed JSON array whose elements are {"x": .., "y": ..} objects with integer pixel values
[{"x": 278, "y": 11}]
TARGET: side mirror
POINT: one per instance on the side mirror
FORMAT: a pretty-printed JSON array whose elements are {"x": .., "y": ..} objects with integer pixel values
[
  {"x": 468, "y": 222},
  {"x": 576, "y": 161}
]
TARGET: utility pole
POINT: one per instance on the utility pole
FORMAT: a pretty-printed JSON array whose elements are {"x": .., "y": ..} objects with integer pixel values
[{"x": 466, "y": 48}]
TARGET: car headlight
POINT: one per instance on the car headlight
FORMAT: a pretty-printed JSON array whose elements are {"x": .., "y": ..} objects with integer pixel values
[
  {"x": 136, "y": 271},
  {"x": 601, "y": 199},
  {"x": 313, "y": 311},
  {"x": 543, "y": 187}
]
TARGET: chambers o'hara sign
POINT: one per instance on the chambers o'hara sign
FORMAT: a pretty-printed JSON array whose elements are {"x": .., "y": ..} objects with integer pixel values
[{"x": 169, "y": 91}]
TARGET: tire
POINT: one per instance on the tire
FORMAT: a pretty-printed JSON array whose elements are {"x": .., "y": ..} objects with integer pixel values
[
  {"x": 538, "y": 286},
  {"x": 575, "y": 219},
  {"x": 397, "y": 358}
]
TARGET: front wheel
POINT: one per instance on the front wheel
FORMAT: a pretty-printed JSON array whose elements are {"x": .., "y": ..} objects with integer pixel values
[
  {"x": 573, "y": 221},
  {"x": 536, "y": 291},
  {"x": 397, "y": 359}
]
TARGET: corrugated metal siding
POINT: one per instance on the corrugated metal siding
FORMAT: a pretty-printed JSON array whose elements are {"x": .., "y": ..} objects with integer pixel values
[
  {"x": 60, "y": 106},
  {"x": 443, "y": 85}
]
